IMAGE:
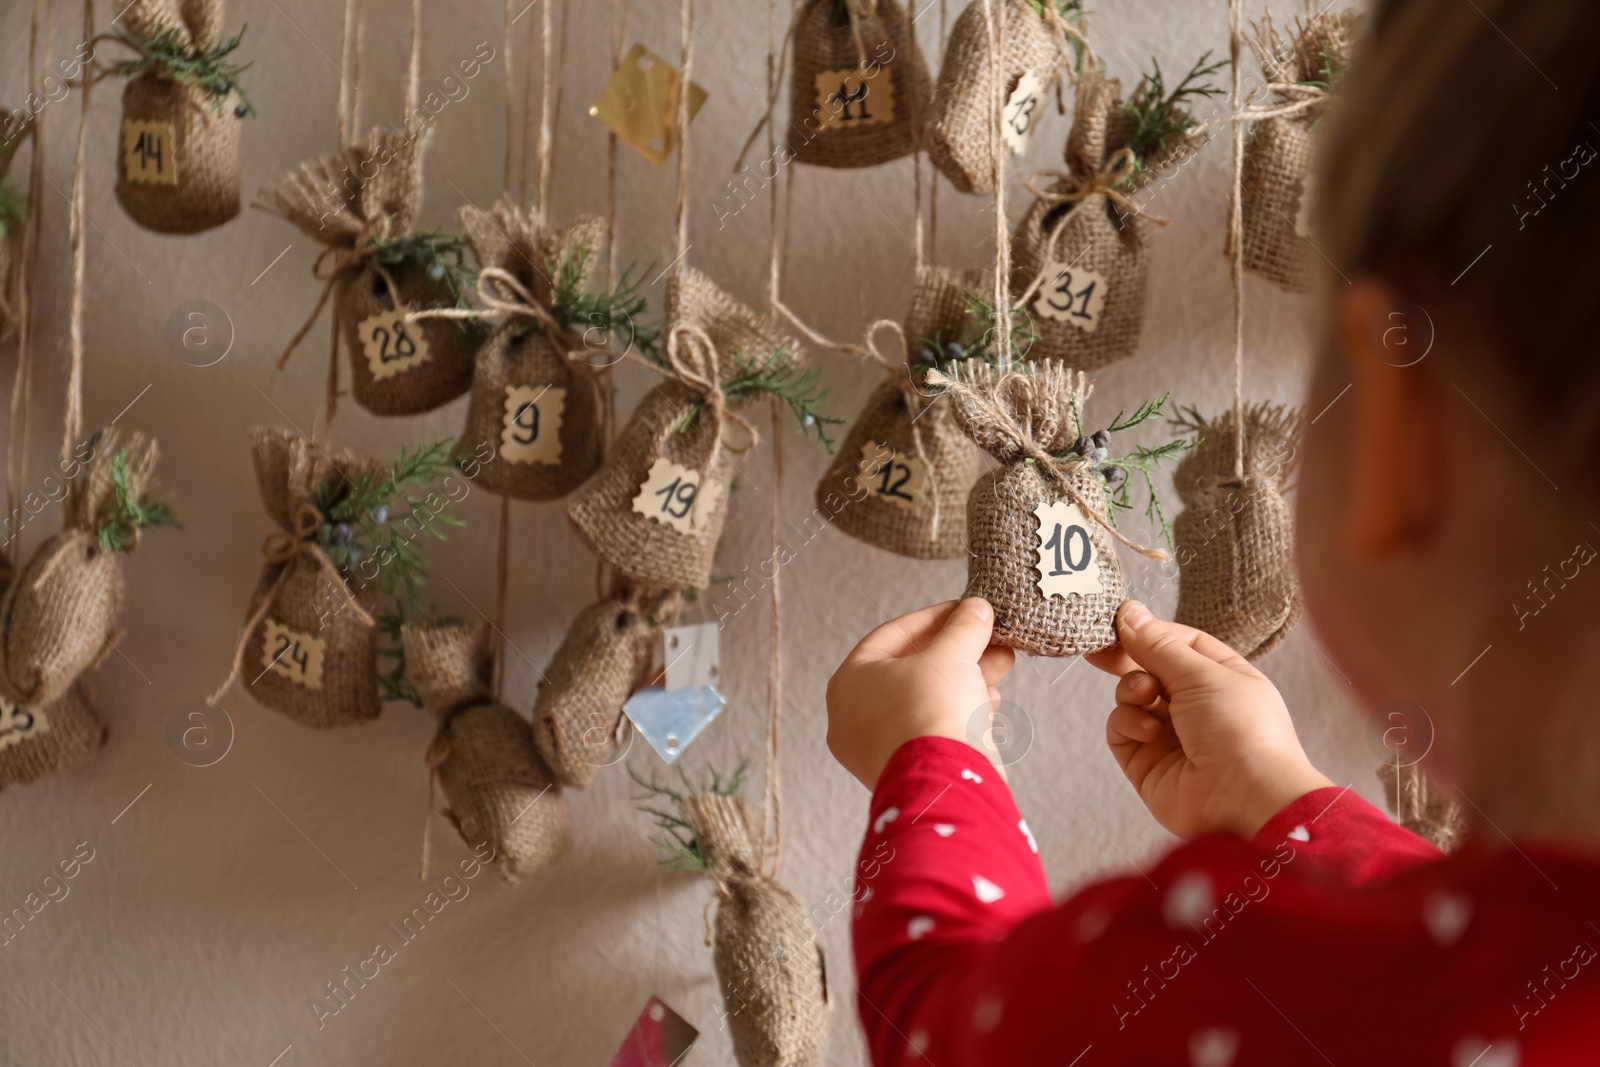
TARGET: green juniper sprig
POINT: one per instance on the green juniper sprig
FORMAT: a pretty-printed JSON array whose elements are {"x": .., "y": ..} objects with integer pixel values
[
  {"x": 795, "y": 386},
  {"x": 393, "y": 685},
  {"x": 356, "y": 521},
  {"x": 13, "y": 209},
  {"x": 1159, "y": 115},
  {"x": 617, "y": 313},
  {"x": 1145, "y": 461},
  {"x": 210, "y": 70},
  {"x": 677, "y": 836},
  {"x": 129, "y": 513}
]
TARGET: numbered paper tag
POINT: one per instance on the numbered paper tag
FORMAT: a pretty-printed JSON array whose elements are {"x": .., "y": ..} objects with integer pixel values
[
  {"x": 1024, "y": 109},
  {"x": 532, "y": 431},
  {"x": 392, "y": 345},
  {"x": 1068, "y": 562},
  {"x": 692, "y": 655},
  {"x": 19, "y": 724},
  {"x": 669, "y": 495},
  {"x": 149, "y": 152},
  {"x": 845, "y": 99},
  {"x": 296, "y": 656},
  {"x": 1072, "y": 294},
  {"x": 891, "y": 477}
]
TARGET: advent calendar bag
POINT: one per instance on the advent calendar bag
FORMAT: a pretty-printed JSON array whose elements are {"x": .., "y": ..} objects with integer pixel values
[
  {"x": 62, "y": 613},
  {"x": 1235, "y": 536},
  {"x": 496, "y": 787},
  {"x": 377, "y": 269},
  {"x": 1082, "y": 250},
  {"x": 655, "y": 511},
  {"x": 1422, "y": 807},
  {"x": 901, "y": 477},
  {"x": 178, "y": 150},
  {"x": 1278, "y": 150},
  {"x": 309, "y": 648},
  {"x": 1041, "y": 545},
  {"x": 36, "y": 741},
  {"x": 577, "y": 716},
  {"x": 859, "y": 84},
  {"x": 769, "y": 964},
  {"x": 534, "y": 400},
  {"x": 959, "y": 126}
]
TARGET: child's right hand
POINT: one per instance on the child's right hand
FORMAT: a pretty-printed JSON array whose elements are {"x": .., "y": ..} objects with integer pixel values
[{"x": 1203, "y": 736}]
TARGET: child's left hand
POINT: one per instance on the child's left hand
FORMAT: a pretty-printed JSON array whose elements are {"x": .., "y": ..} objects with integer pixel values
[{"x": 931, "y": 673}]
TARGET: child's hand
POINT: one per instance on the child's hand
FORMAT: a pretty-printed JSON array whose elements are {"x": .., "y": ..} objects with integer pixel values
[
  {"x": 926, "y": 674},
  {"x": 1201, "y": 734}
]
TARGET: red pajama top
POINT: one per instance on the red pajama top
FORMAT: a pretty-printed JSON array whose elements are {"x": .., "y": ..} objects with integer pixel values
[{"x": 1334, "y": 937}]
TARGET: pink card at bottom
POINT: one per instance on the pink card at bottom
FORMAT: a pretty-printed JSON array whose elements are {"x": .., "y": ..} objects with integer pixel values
[{"x": 660, "y": 1038}]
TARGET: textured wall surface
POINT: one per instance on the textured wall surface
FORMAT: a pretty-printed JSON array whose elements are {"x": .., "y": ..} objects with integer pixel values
[{"x": 220, "y": 903}]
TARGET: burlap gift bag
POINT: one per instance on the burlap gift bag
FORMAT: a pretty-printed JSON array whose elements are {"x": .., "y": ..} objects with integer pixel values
[
  {"x": 655, "y": 511},
  {"x": 774, "y": 982},
  {"x": 1235, "y": 536},
  {"x": 577, "y": 717},
  {"x": 377, "y": 269},
  {"x": 178, "y": 144},
  {"x": 1041, "y": 542},
  {"x": 534, "y": 400},
  {"x": 498, "y": 789},
  {"x": 309, "y": 644},
  {"x": 905, "y": 468},
  {"x": 859, "y": 87},
  {"x": 958, "y": 130},
  {"x": 36, "y": 741},
  {"x": 1080, "y": 256},
  {"x": 61, "y": 614},
  {"x": 1301, "y": 70}
]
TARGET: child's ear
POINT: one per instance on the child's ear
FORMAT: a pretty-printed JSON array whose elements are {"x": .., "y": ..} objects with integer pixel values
[{"x": 1399, "y": 459}]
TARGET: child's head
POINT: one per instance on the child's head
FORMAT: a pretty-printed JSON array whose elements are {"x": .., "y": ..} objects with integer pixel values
[{"x": 1452, "y": 464}]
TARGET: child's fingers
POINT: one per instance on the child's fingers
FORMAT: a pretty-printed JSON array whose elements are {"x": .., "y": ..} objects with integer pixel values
[
  {"x": 1113, "y": 660},
  {"x": 966, "y": 631},
  {"x": 904, "y": 635},
  {"x": 995, "y": 663},
  {"x": 1130, "y": 723},
  {"x": 1139, "y": 688}
]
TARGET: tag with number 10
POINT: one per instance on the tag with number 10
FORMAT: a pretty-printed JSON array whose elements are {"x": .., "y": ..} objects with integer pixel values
[{"x": 1068, "y": 562}]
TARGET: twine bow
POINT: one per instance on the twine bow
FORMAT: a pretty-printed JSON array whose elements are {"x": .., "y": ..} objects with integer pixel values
[
  {"x": 693, "y": 361},
  {"x": 279, "y": 549},
  {"x": 1025, "y": 447},
  {"x": 500, "y": 291},
  {"x": 1079, "y": 191}
]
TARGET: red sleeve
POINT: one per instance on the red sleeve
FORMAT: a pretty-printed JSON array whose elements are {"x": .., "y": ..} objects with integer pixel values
[
  {"x": 960, "y": 958},
  {"x": 1345, "y": 837}
]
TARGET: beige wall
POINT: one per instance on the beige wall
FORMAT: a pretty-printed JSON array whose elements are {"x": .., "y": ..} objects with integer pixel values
[{"x": 220, "y": 903}]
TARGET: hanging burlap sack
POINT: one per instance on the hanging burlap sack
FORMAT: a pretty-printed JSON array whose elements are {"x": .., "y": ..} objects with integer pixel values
[
  {"x": 1080, "y": 256},
  {"x": 498, "y": 789},
  {"x": 1421, "y": 806},
  {"x": 1041, "y": 543},
  {"x": 905, "y": 468},
  {"x": 859, "y": 87},
  {"x": 1235, "y": 536},
  {"x": 655, "y": 511},
  {"x": 577, "y": 716},
  {"x": 362, "y": 204},
  {"x": 534, "y": 400},
  {"x": 309, "y": 645},
  {"x": 36, "y": 741},
  {"x": 958, "y": 130},
  {"x": 1301, "y": 71},
  {"x": 178, "y": 144},
  {"x": 770, "y": 966},
  {"x": 61, "y": 614}
]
